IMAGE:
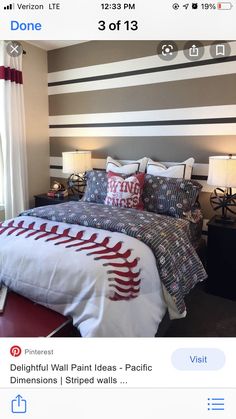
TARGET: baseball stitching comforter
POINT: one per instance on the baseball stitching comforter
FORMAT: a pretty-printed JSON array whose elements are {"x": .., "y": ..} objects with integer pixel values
[{"x": 114, "y": 270}]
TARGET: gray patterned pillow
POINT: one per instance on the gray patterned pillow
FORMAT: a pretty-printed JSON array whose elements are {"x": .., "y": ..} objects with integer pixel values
[
  {"x": 170, "y": 196},
  {"x": 96, "y": 187}
]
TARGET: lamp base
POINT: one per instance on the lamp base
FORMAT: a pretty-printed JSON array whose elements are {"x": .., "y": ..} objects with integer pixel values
[
  {"x": 224, "y": 200},
  {"x": 224, "y": 220},
  {"x": 76, "y": 184}
]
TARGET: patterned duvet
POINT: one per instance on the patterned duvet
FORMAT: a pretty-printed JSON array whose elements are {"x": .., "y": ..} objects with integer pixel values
[{"x": 114, "y": 270}]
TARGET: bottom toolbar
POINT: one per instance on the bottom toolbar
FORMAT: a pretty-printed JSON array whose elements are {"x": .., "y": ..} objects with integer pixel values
[{"x": 140, "y": 403}]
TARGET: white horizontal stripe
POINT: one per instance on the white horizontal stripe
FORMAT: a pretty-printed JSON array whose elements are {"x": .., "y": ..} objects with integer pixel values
[
  {"x": 225, "y": 111},
  {"x": 145, "y": 79},
  {"x": 57, "y": 173},
  {"x": 199, "y": 169},
  {"x": 135, "y": 64},
  {"x": 147, "y": 131},
  {"x": 98, "y": 163},
  {"x": 125, "y": 65},
  {"x": 55, "y": 161}
]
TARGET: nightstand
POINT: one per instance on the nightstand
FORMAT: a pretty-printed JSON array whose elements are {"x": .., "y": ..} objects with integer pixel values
[
  {"x": 43, "y": 199},
  {"x": 221, "y": 255}
]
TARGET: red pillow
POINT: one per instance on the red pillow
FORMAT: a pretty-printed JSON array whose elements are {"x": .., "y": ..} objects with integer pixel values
[{"x": 125, "y": 192}]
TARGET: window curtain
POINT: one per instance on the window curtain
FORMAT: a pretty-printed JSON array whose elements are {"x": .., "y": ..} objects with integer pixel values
[{"x": 13, "y": 164}]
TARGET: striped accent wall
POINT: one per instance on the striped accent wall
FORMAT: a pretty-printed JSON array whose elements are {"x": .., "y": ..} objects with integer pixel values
[{"x": 120, "y": 98}]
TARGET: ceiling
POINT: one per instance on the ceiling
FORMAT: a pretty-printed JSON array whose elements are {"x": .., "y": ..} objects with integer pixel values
[{"x": 54, "y": 44}]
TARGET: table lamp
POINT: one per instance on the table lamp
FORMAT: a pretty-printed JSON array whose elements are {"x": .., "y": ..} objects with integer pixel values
[
  {"x": 76, "y": 163},
  {"x": 222, "y": 173}
]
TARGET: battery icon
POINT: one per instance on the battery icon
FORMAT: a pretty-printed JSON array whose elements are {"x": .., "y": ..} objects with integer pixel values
[{"x": 224, "y": 5}]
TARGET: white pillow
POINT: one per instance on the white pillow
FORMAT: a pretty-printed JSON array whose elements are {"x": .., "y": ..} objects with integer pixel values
[
  {"x": 180, "y": 170},
  {"x": 116, "y": 166}
]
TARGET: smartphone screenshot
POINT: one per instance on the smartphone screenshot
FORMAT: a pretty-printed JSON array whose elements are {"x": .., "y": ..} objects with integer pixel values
[{"x": 117, "y": 209}]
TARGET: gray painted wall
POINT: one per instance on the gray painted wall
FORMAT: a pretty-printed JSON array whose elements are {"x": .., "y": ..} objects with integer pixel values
[{"x": 99, "y": 93}]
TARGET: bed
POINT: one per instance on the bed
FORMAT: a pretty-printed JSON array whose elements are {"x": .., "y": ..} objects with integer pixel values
[{"x": 114, "y": 270}]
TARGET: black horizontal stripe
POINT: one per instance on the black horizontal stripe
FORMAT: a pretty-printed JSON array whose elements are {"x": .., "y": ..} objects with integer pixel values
[
  {"x": 199, "y": 177},
  {"x": 145, "y": 71},
  {"x": 53, "y": 166},
  {"x": 150, "y": 123}
]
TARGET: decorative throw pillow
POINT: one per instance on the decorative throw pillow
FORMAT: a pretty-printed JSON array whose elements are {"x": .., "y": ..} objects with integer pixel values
[
  {"x": 96, "y": 186},
  {"x": 181, "y": 170},
  {"x": 116, "y": 166},
  {"x": 125, "y": 193},
  {"x": 170, "y": 196}
]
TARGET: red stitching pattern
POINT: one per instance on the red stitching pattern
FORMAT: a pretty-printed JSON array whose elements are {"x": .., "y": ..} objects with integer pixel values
[
  {"x": 124, "y": 282},
  {"x": 64, "y": 234}
]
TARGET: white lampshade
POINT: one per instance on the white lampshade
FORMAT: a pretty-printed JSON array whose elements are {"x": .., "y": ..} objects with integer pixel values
[
  {"x": 76, "y": 161},
  {"x": 222, "y": 171}
]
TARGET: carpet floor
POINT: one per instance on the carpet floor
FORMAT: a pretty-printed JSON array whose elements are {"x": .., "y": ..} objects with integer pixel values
[{"x": 207, "y": 316}]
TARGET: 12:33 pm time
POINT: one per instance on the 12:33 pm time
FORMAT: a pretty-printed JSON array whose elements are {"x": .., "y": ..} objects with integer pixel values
[{"x": 118, "y": 6}]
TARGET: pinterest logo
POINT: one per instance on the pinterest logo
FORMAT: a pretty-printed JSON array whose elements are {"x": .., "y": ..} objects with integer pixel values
[{"x": 15, "y": 350}]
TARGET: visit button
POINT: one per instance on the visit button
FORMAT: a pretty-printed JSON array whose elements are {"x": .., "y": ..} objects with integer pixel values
[{"x": 198, "y": 359}]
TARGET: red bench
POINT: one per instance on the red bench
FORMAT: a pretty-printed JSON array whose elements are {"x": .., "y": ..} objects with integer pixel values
[{"x": 23, "y": 318}]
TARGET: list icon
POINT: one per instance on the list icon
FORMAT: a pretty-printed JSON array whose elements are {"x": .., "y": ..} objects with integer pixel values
[{"x": 215, "y": 403}]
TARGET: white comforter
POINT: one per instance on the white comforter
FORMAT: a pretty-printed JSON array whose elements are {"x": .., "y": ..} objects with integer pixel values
[{"x": 78, "y": 281}]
